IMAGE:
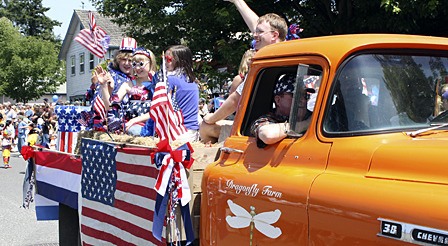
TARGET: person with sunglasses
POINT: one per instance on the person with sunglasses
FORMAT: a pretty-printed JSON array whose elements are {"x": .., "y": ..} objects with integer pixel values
[
  {"x": 143, "y": 62},
  {"x": 136, "y": 95},
  {"x": 267, "y": 29},
  {"x": 183, "y": 89},
  {"x": 273, "y": 126}
]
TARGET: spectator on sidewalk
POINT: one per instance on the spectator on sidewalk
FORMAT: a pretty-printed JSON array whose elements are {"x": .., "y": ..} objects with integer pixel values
[
  {"x": 28, "y": 111},
  {"x": 7, "y": 141}
]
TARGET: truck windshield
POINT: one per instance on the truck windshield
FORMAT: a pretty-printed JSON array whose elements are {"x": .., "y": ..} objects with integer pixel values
[{"x": 388, "y": 92}]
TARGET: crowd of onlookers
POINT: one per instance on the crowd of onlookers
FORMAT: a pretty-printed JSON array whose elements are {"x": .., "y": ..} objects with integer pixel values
[{"x": 26, "y": 124}]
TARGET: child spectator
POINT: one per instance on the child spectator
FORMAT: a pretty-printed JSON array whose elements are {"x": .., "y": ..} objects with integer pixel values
[
  {"x": 7, "y": 140},
  {"x": 52, "y": 144}
]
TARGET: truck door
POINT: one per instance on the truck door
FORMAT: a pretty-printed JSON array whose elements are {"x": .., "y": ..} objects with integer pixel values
[
  {"x": 381, "y": 185},
  {"x": 257, "y": 195}
]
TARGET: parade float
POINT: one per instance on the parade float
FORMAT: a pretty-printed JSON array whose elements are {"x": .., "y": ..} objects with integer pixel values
[{"x": 107, "y": 187}]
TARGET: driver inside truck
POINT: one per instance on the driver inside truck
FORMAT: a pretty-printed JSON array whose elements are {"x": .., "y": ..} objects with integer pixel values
[{"x": 273, "y": 126}]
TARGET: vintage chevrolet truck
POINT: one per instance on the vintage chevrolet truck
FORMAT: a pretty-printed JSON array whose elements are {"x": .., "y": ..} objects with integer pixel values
[{"x": 371, "y": 168}]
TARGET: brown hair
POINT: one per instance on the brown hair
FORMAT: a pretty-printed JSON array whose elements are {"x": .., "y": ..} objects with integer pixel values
[
  {"x": 277, "y": 23},
  {"x": 184, "y": 60},
  {"x": 118, "y": 56}
]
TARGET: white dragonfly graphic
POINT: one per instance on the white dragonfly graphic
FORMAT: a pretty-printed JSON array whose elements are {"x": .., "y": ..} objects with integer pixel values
[{"x": 262, "y": 221}]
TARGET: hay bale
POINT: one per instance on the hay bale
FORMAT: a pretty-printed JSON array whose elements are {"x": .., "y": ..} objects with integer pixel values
[{"x": 137, "y": 140}]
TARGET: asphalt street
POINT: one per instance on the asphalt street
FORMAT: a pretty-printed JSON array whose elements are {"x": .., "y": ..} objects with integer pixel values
[{"x": 18, "y": 225}]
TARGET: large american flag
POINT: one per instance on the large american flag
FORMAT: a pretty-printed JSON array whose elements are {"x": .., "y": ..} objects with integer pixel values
[
  {"x": 168, "y": 118},
  {"x": 95, "y": 39},
  {"x": 118, "y": 199},
  {"x": 68, "y": 126}
]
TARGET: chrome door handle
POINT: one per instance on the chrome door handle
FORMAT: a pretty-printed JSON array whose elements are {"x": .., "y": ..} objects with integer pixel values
[{"x": 230, "y": 150}]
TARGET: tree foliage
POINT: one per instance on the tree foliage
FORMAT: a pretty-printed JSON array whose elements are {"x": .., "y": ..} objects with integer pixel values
[
  {"x": 30, "y": 67},
  {"x": 29, "y": 16},
  {"x": 215, "y": 31}
]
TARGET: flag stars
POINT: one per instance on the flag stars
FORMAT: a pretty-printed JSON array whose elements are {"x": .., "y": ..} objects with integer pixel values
[{"x": 102, "y": 167}]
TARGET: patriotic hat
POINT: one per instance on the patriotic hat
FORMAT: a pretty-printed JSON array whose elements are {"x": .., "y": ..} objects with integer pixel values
[
  {"x": 128, "y": 44},
  {"x": 286, "y": 83},
  {"x": 142, "y": 51}
]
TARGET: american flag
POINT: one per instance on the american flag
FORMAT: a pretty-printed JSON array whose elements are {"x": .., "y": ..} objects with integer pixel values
[
  {"x": 99, "y": 107},
  {"x": 68, "y": 126},
  {"x": 167, "y": 116},
  {"x": 118, "y": 199},
  {"x": 310, "y": 82},
  {"x": 95, "y": 39}
]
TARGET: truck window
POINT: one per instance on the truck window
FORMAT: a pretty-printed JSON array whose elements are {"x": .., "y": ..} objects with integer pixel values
[
  {"x": 262, "y": 96},
  {"x": 385, "y": 92}
]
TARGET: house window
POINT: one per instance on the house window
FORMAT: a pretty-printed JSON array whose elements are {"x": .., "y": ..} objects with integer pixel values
[
  {"x": 81, "y": 63},
  {"x": 72, "y": 64},
  {"x": 91, "y": 61}
]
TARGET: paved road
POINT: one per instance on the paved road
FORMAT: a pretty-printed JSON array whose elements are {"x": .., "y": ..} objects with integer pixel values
[{"x": 18, "y": 226}]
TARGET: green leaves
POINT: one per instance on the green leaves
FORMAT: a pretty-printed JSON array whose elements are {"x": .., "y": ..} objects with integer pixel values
[
  {"x": 30, "y": 67},
  {"x": 217, "y": 34},
  {"x": 29, "y": 17}
]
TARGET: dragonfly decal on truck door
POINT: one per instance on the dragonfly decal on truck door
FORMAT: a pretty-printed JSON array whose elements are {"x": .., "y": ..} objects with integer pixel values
[{"x": 262, "y": 221}]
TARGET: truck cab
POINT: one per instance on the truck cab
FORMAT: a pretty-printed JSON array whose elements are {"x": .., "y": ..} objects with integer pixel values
[{"x": 369, "y": 168}]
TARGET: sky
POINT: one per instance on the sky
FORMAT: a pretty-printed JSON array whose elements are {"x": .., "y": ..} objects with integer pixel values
[{"x": 62, "y": 11}]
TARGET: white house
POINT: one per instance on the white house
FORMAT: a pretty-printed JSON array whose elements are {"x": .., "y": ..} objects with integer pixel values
[{"x": 79, "y": 61}]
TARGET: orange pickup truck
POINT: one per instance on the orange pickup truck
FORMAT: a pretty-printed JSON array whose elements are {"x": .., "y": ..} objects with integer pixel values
[{"x": 369, "y": 170}]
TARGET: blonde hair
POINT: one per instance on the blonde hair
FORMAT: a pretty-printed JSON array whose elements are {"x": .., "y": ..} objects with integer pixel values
[
  {"x": 141, "y": 57},
  {"x": 151, "y": 58},
  {"x": 245, "y": 61},
  {"x": 277, "y": 23}
]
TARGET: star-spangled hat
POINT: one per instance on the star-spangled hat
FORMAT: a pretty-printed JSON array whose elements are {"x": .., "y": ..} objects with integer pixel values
[
  {"x": 286, "y": 83},
  {"x": 142, "y": 51}
]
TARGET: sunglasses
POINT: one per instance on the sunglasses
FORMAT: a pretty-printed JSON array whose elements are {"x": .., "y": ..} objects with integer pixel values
[
  {"x": 168, "y": 58},
  {"x": 139, "y": 64}
]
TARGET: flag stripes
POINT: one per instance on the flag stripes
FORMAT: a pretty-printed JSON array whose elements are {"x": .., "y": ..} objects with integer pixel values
[
  {"x": 131, "y": 212},
  {"x": 92, "y": 38},
  {"x": 99, "y": 107},
  {"x": 58, "y": 177},
  {"x": 86, "y": 38},
  {"x": 169, "y": 123},
  {"x": 46, "y": 209},
  {"x": 67, "y": 141}
]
